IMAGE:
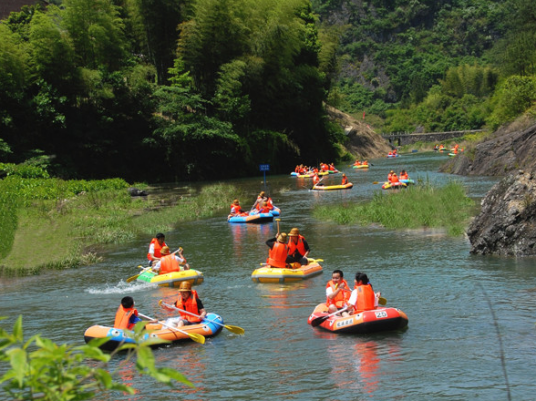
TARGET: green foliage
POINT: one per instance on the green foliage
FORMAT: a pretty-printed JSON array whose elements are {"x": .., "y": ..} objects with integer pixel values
[
  {"x": 417, "y": 206},
  {"x": 41, "y": 369},
  {"x": 23, "y": 170},
  {"x": 28, "y": 189},
  {"x": 514, "y": 96},
  {"x": 8, "y": 216}
]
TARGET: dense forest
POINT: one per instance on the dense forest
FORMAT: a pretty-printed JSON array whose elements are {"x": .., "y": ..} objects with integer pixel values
[{"x": 161, "y": 90}]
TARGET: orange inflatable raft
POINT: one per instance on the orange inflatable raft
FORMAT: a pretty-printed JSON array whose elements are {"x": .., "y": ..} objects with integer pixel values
[
  {"x": 117, "y": 337},
  {"x": 370, "y": 321}
]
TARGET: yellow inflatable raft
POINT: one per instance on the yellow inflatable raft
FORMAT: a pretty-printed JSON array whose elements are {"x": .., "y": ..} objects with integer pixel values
[
  {"x": 173, "y": 279},
  {"x": 268, "y": 274}
]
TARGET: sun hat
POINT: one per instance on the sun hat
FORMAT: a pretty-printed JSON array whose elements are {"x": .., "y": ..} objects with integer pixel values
[
  {"x": 164, "y": 250},
  {"x": 186, "y": 286},
  {"x": 294, "y": 232},
  {"x": 282, "y": 238}
]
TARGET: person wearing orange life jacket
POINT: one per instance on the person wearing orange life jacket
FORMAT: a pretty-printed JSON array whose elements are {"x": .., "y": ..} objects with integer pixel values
[
  {"x": 390, "y": 175},
  {"x": 260, "y": 198},
  {"x": 403, "y": 175},
  {"x": 344, "y": 179},
  {"x": 357, "y": 163},
  {"x": 169, "y": 263},
  {"x": 155, "y": 248},
  {"x": 394, "y": 179},
  {"x": 363, "y": 297},
  {"x": 337, "y": 293},
  {"x": 316, "y": 179},
  {"x": 263, "y": 208},
  {"x": 277, "y": 255},
  {"x": 126, "y": 316},
  {"x": 236, "y": 209},
  {"x": 188, "y": 301},
  {"x": 298, "y": 248}
]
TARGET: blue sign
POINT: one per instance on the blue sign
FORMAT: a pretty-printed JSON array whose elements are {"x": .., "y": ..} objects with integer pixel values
[{"x": 264, "y": 167}]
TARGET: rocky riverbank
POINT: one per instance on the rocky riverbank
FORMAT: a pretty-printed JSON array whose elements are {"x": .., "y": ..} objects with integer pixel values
[
  {"x": 363, "y": 142},
  {"x": 506, "y": 225}
]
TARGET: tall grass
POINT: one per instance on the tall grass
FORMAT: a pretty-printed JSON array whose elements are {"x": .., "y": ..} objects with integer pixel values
[
  {"x": 417, "y": 206},
  {"x": 62, "y": 231}
]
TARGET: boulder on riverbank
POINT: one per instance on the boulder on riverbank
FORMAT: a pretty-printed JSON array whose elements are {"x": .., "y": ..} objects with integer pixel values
[
  {"x": 506, "y": 226},
  {"x": 363, "y": 142}
]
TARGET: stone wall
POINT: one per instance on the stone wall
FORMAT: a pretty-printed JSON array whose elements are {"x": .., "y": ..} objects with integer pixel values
[{"x": 8, "y": 6}]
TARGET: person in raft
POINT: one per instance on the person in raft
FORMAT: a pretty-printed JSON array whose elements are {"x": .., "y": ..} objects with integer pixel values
[
  {"x": 344, "y": 179},
  {"x": 278, "y": 253},
  {"x": 171, "y": 262},
  {"x": 262, "y": 197},
  {"x": 155, "y": 248},
  {"x": 298, "y": 248},
  {"x": 337, "y": 293},
  {"x": 236, "y": 209},
  {"x": 390, "y": 175},
  {"x": 403, "y": 175},
  {"x": 363, "y": 296},
  {"x": 126, "y": 316},
  {"x": 188, "y": 301}
]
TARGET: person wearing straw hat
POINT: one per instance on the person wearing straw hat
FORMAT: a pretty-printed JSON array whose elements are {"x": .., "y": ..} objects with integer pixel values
[
  {"x": 236, "y": 209},
  {"x": 171, "y": 262},
  {"x": 277, "y": 255},
  {"x": 298, "y": 248},
  {"x": 189, "y": 301}
]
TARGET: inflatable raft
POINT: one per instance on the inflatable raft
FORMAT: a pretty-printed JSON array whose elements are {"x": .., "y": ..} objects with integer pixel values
[
  {"x": 332, "y": 187},
  {"x": 119, "y": 336},
  {"x": 409, "y": 181},
  {"x": 269, "y": 274},
  {"x": 371, "y": 321},
  {"x": 328, "y": 172},
  {"x": 396, "y": 185},
  {"x": 361, "y": 166},
  {"x": 172, "y": 279},
  {"x": 251, "y": 218}
]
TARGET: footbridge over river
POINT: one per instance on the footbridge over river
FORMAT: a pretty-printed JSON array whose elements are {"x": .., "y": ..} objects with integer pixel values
[{"x": 406, "y": 138}]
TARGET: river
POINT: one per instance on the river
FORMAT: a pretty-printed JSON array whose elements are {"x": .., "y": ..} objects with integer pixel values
[{"x": 453, "y": 348}]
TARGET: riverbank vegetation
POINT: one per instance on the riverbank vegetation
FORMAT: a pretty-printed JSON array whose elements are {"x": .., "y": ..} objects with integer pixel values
[
  {"x": 55, "y": 224},
  {"x": 423, "y": 205}
]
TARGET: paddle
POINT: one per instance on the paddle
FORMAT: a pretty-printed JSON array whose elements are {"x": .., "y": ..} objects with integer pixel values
[
  {"x": 319, "y": 181},
  {"x": 234, "y": 329},
  {"x": 198, "y": 338},
  {"x": 317, "y": 321},
  {"x": 314, "y": 260}
]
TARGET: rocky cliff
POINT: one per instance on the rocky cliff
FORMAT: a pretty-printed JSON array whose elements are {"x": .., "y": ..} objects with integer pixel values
[
  {"x": 363, "y": 142},
  {"x": 506, "y": 226},
  {"x": 509, "y": 149}
]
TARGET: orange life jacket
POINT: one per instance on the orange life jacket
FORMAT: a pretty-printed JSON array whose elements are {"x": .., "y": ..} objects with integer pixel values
[
  {"x": 394, "y": 179},
  {"x": 122, "y": 317},
  {"x": 390, "y": 153},
  {"x": 357, "y": 163},
  {"x": 365, "y": 298},
  {"x": 344, "y": 180},
  {"x": 269, "y": 203},
  {"x": 169, "y": 264},
  {"x": 299, "y": 246},
  {"x": 277, "y": 255},
  {"x": 157, "y": 249},
  {"x": 389, "y": 177},
  {"x": 404, "y": 176},
  {"x": 316, "y": 179},
  {"x": 235, "y": 209},
  {"x": 190, "y": 306},
  {"x": 341, "y": 298}
]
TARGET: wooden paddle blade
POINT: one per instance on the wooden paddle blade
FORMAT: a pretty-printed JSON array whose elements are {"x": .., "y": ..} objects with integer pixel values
[
  {"x": 235, "y": 329},
  {"x": 382, "y": 301},
  {"x": 130, "y": 279},
  {"x": 375, "y": 182},
  {"x": 198, "y": 338}
]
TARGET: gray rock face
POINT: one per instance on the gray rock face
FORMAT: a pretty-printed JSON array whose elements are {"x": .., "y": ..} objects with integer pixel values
[
  {"x": 507, "y": 150},
  {"x": 506, "y": 226}
]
